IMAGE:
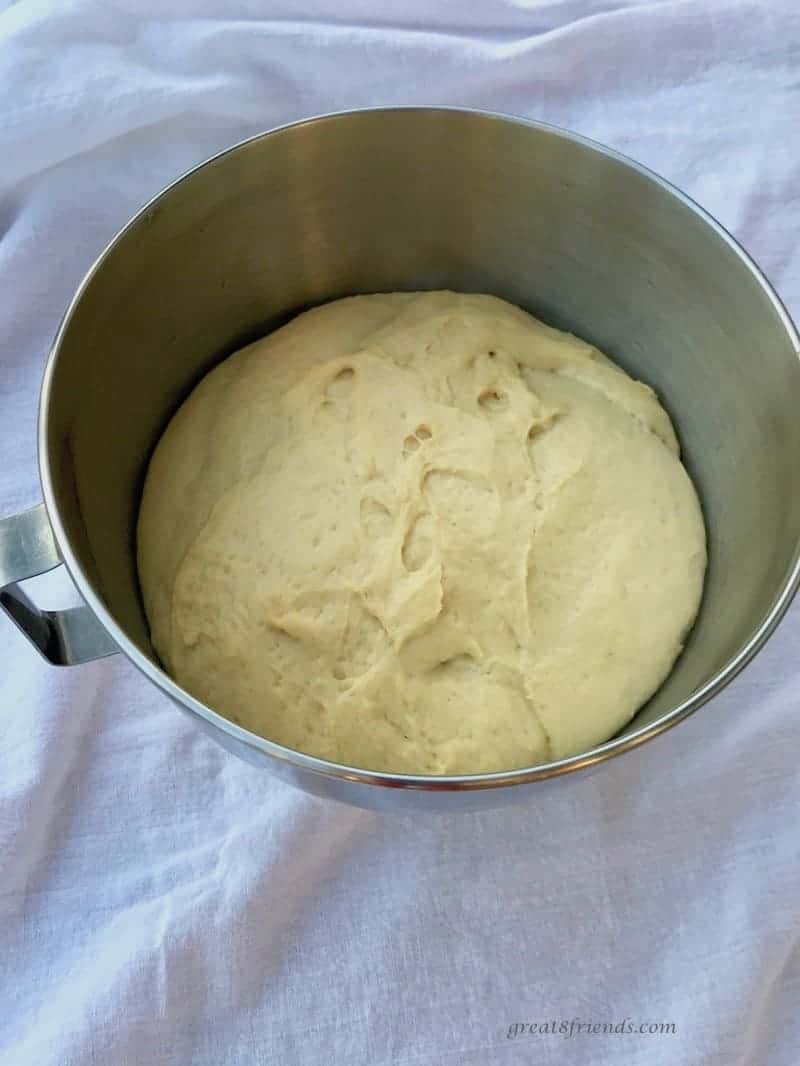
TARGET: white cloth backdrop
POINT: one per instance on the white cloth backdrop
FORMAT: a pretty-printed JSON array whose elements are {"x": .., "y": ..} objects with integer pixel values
[{"x": 161, "y": 902}]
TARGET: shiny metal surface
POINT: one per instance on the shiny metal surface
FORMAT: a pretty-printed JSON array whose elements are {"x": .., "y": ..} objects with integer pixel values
[
  {"x": 423, "y": 198},
  {"x": 64, "y": 638}
]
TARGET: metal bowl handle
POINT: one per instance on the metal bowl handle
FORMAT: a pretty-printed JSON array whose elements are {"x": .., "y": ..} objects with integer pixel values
[{"x": 64, "y": 638}]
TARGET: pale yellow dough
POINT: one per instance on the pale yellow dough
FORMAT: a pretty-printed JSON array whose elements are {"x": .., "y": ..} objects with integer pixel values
[{"x": 421, "y": 532}]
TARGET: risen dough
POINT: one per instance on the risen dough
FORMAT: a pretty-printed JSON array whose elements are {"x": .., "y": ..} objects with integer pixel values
[{"x": 423, "y": 533}]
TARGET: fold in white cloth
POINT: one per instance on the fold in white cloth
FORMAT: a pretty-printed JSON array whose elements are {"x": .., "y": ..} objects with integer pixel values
[{"x": 161, "y": 902}]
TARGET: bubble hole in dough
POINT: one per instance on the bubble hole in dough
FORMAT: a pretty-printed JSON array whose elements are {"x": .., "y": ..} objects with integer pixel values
[{"x": 421, "y": 532}]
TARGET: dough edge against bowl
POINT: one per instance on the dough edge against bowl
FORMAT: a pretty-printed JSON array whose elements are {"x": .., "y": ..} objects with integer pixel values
[{"x": 421, "y": 533}]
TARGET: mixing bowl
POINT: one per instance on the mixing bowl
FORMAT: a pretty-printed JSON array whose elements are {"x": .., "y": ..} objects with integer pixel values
[{"x": 417, "y": 198}]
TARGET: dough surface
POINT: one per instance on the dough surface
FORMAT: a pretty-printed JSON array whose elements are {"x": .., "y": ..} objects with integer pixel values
[{"x": 421, "y": 532}]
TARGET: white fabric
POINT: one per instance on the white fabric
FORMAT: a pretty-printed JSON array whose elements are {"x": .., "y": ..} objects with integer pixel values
[{"x": 161, "y": 902}]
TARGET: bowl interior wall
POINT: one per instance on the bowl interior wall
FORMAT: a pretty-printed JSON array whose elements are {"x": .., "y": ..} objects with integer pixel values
[{"x": 382, "y": 201}]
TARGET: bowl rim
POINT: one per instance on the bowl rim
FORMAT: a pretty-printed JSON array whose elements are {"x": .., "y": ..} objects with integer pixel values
[{"x": 323, "y": 767}]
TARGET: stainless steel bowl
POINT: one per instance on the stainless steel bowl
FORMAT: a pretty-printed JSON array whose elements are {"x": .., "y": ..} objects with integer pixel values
[{"x": 412, "y": 198}]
